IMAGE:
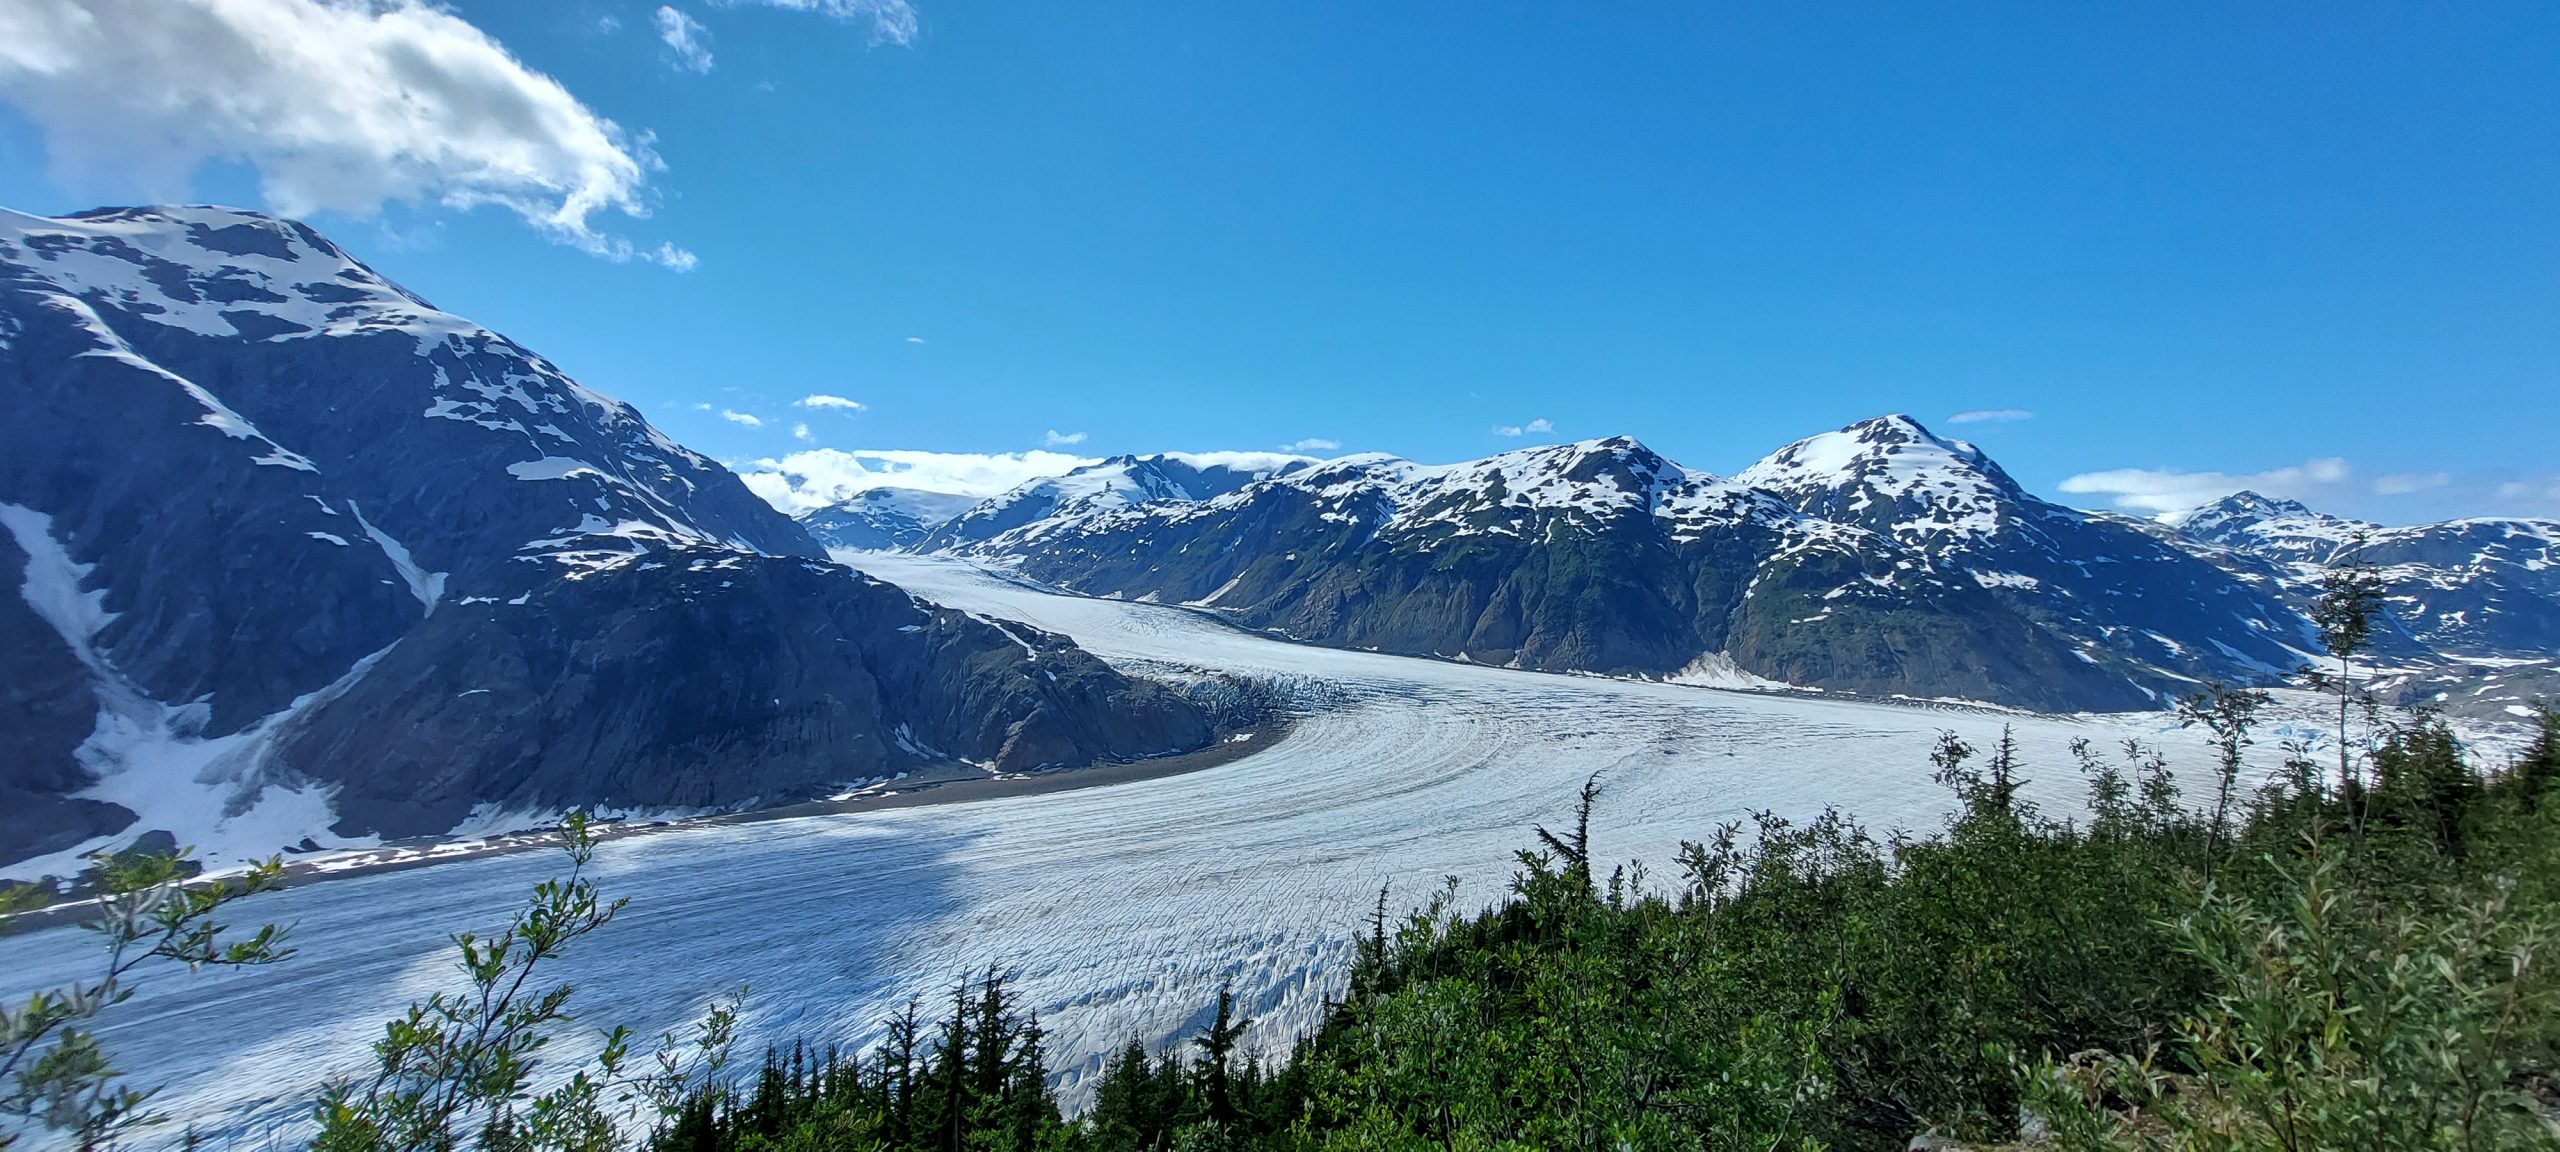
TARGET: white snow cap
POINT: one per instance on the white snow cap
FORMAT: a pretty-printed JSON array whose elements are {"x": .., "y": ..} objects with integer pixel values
[{"x": 209, "y": 270}]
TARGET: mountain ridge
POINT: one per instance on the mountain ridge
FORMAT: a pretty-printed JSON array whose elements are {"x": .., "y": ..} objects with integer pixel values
[{"x": 1917, "y": 567}]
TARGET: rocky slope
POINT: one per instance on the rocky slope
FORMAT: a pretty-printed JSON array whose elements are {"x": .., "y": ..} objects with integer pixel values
[
  {"x": 1879, "y": 559},
  {"x": 282, "y": 529}
]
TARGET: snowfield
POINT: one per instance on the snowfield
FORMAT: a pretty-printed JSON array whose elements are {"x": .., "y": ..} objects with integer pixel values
[{"x": 1122, "y": 908}]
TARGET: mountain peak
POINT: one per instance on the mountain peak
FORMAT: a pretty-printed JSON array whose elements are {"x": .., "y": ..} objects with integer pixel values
[
  {"x": 882, "y": 518},
  {"x": 1892, "y": 474},
  {"x": 1894, "y": 427},
  {"x": 2270, "y": 505},
  {"x": 1892, "y": 451},
  {"x": 2269, "y": 525},
  {"x": 223, "y": 272},
  {"x": 1620, "y": 455},
  {"x": 2249, "y": 506}
]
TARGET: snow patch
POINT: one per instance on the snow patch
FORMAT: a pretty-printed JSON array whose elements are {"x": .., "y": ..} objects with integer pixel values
[
  {"x": 427, "y": 586},
  {"x": 554, "y": 468},
  {"x": 1718, "y": 670},
  {"x": 213, "y": 793}
]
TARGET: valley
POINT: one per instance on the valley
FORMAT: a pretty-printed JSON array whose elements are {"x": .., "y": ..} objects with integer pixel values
[
  {"x": 882, "y": 576},
  {"x": 1122, "y": 908}
]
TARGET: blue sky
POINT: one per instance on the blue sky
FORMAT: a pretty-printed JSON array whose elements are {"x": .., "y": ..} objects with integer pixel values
[{"x": 2314, "y": 247}]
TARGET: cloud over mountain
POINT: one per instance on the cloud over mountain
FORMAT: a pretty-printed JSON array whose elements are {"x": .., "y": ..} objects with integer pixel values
[
  {"x": 340, "y": 105},
  {"x": 818, "y": 477},
  {"x": 2160, "y": 490}
]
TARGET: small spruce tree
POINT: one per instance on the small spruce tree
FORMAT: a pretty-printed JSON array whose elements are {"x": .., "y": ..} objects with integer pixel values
[{"x": 1217, "y": 1056}]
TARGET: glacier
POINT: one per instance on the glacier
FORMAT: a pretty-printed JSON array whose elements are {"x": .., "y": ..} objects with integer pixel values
[{"x": 1120, "y": 909}]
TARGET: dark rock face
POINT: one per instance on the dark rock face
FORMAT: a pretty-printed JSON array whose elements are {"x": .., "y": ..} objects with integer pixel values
[
  {"x": 126, "y": 461},
  {"x": 427, "y": 569},
  {"x": 706, "y": 678},
  {"x": 883, "y": 519},
  {"x": 47, "y": 708}
]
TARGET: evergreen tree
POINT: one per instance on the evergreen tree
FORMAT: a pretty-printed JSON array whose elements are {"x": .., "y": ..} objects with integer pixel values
[
  {"x": 1575, "y": 852},
  {"x": 2538, "y": 770},
  {"x": 898, "y": 1074},
  {"x": 1217, "y": 1053}
]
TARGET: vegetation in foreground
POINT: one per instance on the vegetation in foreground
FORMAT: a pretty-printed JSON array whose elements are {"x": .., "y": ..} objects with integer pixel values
[
  {"x": 2354, "y": 955},
  {"x": 2308, "y": 966}
]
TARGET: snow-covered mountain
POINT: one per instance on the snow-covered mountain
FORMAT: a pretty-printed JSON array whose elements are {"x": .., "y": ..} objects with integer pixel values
[
  {"x": 883, "y": 519},
  {"x": 2484, "y": 588},
  {"x": 1877, "y": 559},
  {"x": 1114, "y": 483},
  {"x": 2481, "y": 597},
  {"x": 2108, "y": 586},
  {"x": 2266, "y": 527},
  {"x": 297, "y": 551}
]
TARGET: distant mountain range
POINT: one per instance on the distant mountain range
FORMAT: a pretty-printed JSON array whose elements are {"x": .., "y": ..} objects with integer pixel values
[
  {"x": 2485, "y": 589},
  {"x": 883, "y": 519},
  {"x": 1880, "y": 559},
  {"x": 284, "y": 529}
]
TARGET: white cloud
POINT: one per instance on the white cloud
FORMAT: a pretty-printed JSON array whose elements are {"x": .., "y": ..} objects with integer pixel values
[
  {"x": 686, "y": 36},
  {"x": 1242, "y": 461},
  {"x": 799, "y": 431},
  {"x": 1991, "y": 415},
  {"x": 2544, "y": 492},
  {"x": 734, "y": 416},
  {"x": 1312, "y": 444},
  {"x": 701, "y": 407},
  {"x": 817, "y": 477},
  {"x": 886, "y": 21},
  {"x": 822, "y": 400},
  {"x": 1057, "y": 439},
  {"x": 340, "y": 105},
  {"x": 915, "y": 339},
  {"x": 1537, "y": 427},
  {"x": 2403, "y": 484},
  {"x": 2163, "y": 491}
]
